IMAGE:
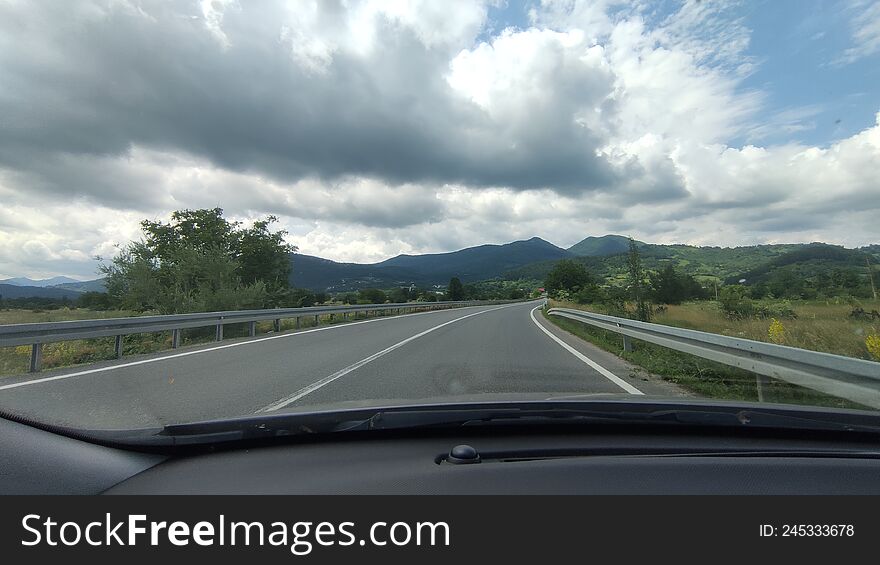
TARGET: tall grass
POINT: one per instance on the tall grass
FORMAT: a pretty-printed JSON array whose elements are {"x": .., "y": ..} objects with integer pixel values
[
  {"x": 714, "y": 380},
  {"x": 821, "y": 325}
]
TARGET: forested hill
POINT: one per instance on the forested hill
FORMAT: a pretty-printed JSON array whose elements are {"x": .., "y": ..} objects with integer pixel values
[
  {"x": 816, "y": 264},
  {"x": 481, "y": 262},
  {"x": 470, "y": 264}
]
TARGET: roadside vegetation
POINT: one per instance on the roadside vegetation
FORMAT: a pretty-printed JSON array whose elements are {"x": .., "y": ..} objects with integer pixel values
[
  {"x": 700, "y": 376},
  {"x": 843, "y": 324},
  {"x": 818, "y": 325}
]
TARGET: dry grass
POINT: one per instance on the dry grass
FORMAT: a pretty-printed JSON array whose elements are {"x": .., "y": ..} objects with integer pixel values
[
  {"x": 18, "y": 316},
  {"x": 820, "y": 325},
  {"x": 700, "y": 376}
]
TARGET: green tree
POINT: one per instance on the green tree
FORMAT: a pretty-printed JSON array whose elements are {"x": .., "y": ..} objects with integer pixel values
[
  {"x": 95, "y": 301},
  {"x": 568, "y": 275},
  {"x": 785, "y": 283},
  {"x": 590, "y": 294},
  {"x": 263, "y": 255},
  {"x": 636, "y": 276},
  {"x": 516, "y": 294},
  {"x": 297, "y": 298},
  {"x": 200, "y": 261},
  {"x": 371, "y": 296},
  {"x": 667, "y": 285},
  {"x": 350, "y": 298},
  {"x": 455, "y": 290},
  {"x": 398, "y": 295},
  {"x": 473, "y": 292},
  {"x": 672, "y": 287}
]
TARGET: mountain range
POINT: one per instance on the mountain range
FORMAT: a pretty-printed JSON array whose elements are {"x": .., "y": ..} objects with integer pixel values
[
  {"x": 470, "y": 265},
  {"x": 57, "y": 288},
  {"x": 42, "y": 283},
  {"x": 529, "y": 259}
]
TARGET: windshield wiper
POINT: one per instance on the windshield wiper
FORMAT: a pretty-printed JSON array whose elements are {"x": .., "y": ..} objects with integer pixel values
[{"x": 570, "y": 413}]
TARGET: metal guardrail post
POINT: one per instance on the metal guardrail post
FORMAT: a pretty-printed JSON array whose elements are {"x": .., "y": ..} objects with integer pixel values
[
  {"x": 760, "y": 382},
  {"x": 252, "y": 329},
  {"x": 627, "y": 343},
  {"x": 175, "y": 339},
  {"x": 317, "y": 319},
  {"x": 218, "y": 336},
  {"x": 297, "y": 322},
  {"x": 117, "y": 347},
  {"x": 276, "y": 325},
  {"x": 36, "y": 357}
]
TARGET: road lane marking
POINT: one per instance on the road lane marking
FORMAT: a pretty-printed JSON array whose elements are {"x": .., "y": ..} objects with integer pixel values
[
  {"x": 599, "y": 368},
  {"x": 306, "y": 390},
  {"x": 209, "y": 349}
]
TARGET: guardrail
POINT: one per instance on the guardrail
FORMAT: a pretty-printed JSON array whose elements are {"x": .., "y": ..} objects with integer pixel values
[
  {"x": 37, "y": 334},
  {"x": 844, "y": 377}
]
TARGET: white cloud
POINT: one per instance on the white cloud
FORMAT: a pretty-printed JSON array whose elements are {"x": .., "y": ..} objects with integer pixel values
[
  {"x": 375, "y": 128},
  {"x": 865, "y": 28}
]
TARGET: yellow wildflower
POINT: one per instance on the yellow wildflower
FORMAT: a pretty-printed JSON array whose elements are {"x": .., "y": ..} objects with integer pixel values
[
  {"x": 872, "y": 342},
  {"x": 776, "y": 331}
]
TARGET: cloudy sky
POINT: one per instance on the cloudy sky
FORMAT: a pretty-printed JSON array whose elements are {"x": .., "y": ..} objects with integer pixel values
[{"x": 382, "y": 127}]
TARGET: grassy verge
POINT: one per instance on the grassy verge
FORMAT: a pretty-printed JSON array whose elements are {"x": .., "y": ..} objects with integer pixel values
[
  {"x": 702, "y": 377},
  {"x": 15, "y": 360},
  {"x": 820, "y": 325}
]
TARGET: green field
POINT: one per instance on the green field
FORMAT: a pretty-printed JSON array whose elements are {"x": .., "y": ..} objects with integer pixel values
[{"x": 820, "y": 326}]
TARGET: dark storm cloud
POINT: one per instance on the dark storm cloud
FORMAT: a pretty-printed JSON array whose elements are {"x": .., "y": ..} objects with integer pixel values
[{"x": 83, "y": 83}]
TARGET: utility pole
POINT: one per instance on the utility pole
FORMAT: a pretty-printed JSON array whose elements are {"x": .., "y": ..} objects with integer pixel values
[{"x": 871, "y": 277}]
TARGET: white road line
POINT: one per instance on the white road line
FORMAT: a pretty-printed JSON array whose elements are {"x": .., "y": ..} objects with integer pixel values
[
  {"x": 208, "y": 350},
  {"x": 599, "y": 368},
  {"x": 306, "y": 390}
]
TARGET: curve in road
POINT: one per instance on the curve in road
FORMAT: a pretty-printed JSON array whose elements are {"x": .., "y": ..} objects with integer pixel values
[{"x": 448, "y": 353}]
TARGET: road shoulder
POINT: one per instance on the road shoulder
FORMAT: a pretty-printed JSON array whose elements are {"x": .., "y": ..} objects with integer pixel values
[{"x": 648, "y": 383}]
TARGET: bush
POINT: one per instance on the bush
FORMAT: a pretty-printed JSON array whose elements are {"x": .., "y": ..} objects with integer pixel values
[
  {"x": 95, "y": 301},
  {"x": 371, "y": 296},
  {"x": 563, "y": 296},
  {"x": 516, "y": 294},
  {"x": 734, "y": 302},
  {"x": 781, "y": 309},
  {"x": 297, "y": 298},
  {"x": 590, "y": 294}
]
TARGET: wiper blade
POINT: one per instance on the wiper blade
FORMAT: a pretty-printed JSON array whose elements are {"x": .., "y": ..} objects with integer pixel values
[
  {"x": 645, "y": 412},
  {"x": 400, "y": 419},
  {"x": 653, "y": 413}
]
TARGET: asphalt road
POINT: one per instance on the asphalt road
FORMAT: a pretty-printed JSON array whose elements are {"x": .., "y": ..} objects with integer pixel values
[{"x": 463, "y": 353}]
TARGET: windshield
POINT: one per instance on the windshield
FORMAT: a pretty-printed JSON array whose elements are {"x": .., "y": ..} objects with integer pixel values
[{"x": 221, "y": 209}]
